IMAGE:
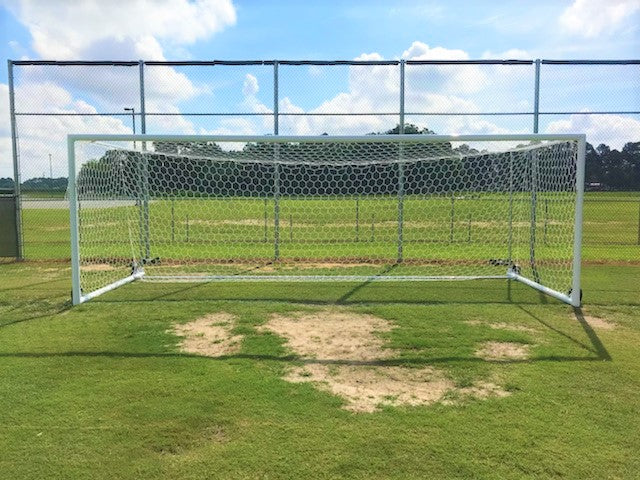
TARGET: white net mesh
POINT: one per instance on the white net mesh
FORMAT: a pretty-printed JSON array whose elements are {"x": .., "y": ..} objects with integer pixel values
[{"x": 326, "y": 208}]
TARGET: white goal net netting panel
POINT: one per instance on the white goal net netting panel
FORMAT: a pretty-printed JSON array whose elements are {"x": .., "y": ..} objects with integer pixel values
[{"x": 325, "y": 208}]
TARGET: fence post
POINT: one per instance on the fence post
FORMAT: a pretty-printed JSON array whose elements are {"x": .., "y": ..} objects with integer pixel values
[
  {"x": 290, "y": 227},
  {"x": 510, "y": 245},
  {"x": 266, "y": 227},
  {"x": 276, "y": 167},
  {"x": 373, "y": 228},
  {"x": 534, "y": 205},
  {"x": 16, "y": 164},
  {"x": 452, "y": 216},
  {"x": 357, "y": 218},
  {"x": 143, "y": 111},
  {"x": 546, "y": 219},
  {"x": 401, "y": 169},
  {"x": 145, "y": 162},
  {"x": 401, "y": 120},
  {"x": 536, "y": 99},
  {"x": 173, "y": 220}
]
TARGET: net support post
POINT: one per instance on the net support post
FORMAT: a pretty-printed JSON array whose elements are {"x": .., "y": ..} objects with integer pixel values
[
  {"x": 538, "y": 286},
  {"x": 576, "y": 292},
  {"x": 112, "y": 286},
  {"x": 76, "y": 291}
]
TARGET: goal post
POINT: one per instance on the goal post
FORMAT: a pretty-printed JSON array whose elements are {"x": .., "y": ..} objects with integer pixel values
[{"x": 326, "y": 208}]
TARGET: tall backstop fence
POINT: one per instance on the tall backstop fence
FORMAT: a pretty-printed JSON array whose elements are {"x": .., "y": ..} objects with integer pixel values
[{"x": 51, "y": 99}]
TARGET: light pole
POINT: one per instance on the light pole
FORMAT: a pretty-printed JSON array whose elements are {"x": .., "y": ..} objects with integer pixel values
[
  {"x": 133, "y": 121},
  {"x": 50, "y": 167}
]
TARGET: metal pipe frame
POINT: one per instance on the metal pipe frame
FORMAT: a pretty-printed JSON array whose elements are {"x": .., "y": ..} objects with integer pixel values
[
  {"x": 405, "y": 138},
  {"x": 573, "y": 297}
]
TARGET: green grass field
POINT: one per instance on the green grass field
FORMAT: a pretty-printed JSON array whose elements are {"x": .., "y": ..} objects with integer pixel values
[
  {"x": 611, "y": 223},
  {"x": 103, "y": 390}
]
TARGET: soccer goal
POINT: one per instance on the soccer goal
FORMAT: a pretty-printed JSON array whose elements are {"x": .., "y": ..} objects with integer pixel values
[{"x": 326, "y": 208}]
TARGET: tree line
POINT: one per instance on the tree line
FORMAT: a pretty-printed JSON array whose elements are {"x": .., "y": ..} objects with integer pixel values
[
  {"x": 266, "y": 169},
  {"x": 200, "y": 167},
  {"x": 612, "y": 169}
]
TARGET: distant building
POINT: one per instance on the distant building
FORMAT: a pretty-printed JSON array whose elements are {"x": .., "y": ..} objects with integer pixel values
[{"x": 595, "y": 187}]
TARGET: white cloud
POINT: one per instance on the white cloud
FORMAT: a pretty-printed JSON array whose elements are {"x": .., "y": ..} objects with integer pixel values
[
  {"x": 590, "y": 18},
  {"x": 41, "y": 135},
  {"x": 457, "y": 79},
  {"x": 232, "y": 126},
  {"x": 70, "y": 30},
  {"x": 612, "y": 130},
  {"x": 98, "y": 30},
  {"x": 6, "y": 156},
  {"x": 510, "y": 54},
  {"x": 376, "y": 88},
  {"x": 250, "y": 86}
]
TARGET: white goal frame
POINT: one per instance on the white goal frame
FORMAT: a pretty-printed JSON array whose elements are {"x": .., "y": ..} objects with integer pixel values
[{"x": 572, "y": 297}]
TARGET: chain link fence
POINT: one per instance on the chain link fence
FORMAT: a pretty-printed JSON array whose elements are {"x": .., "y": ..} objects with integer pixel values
[{"x": 49, "y": 100}]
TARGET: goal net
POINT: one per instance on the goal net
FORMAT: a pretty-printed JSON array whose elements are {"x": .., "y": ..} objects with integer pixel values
[{"x": 376, "y": 207}]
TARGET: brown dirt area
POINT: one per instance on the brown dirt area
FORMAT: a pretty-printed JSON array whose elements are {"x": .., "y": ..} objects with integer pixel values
[
  {"x": 98, "y": 267},
  {"x": 366, "y": 388},
  {"x": 503, "y": 351},
  {"x": 210, "y": 335},
  {"x": 332, "y": 335},
  {"x": 342, "y": 352},
  {"x": 599, "y": 323}
]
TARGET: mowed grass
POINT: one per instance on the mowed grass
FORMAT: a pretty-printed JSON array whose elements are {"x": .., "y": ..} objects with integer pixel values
[
  {"x": 103, "y": 391},
  {"x": 366, "y": 227}
]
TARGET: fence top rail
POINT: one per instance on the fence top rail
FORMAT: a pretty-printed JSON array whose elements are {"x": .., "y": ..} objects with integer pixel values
[
  {"x": 131, "y": 63},
  {"x": 591, "y": 62},
  {"x": 87, "y": 63},
  {"x": 87, "y": 137}
]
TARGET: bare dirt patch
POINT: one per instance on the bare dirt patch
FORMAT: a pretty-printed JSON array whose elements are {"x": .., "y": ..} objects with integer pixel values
[
  {"x": 209, "y": 335},
  {"x": 366, "y": 388},
  {"x": 513, "y": 327},
  {"x": 343, "y": 352},
  {"x": 98, "y": 267},
  {"x": 503, "y": 351},
  {"x": 332, "y": 335},
  {"x": 599, "y": 323}
]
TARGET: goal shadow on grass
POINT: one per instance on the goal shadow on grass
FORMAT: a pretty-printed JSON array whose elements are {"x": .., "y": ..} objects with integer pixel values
[{"x": 370, "y": 291}]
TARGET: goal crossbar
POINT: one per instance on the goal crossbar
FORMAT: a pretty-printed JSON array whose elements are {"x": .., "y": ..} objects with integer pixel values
[{"x": 380, "y": 214}]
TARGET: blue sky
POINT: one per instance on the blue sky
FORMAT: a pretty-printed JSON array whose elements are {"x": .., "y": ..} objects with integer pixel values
[
  {"x": 252, "y": 29},
  {"x": 346, "y": 29}
]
